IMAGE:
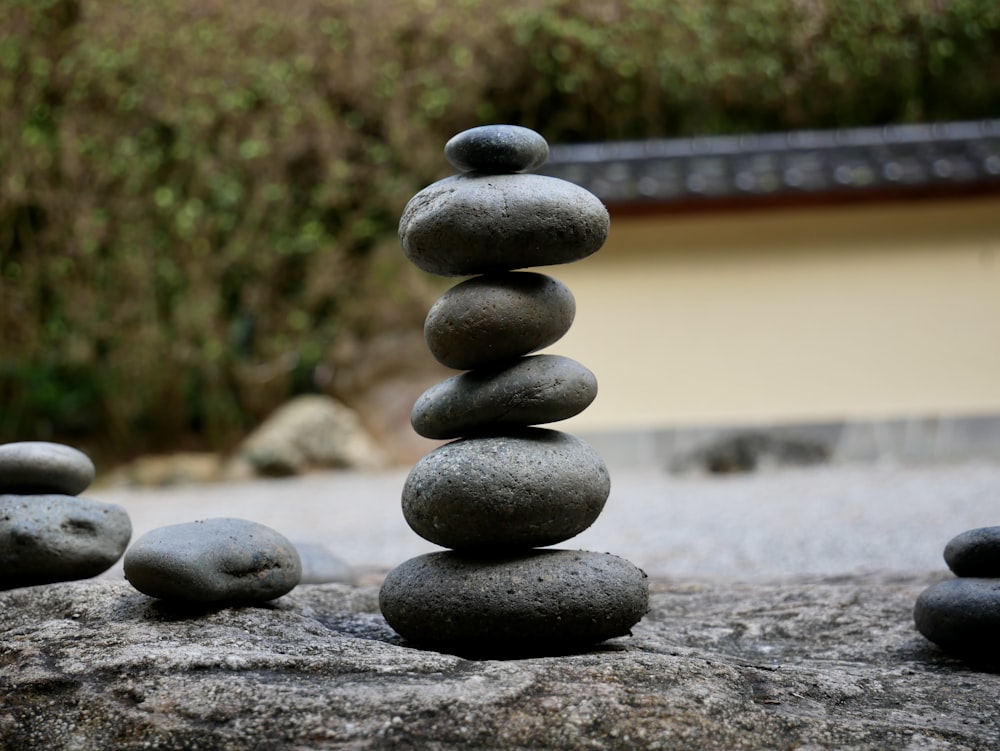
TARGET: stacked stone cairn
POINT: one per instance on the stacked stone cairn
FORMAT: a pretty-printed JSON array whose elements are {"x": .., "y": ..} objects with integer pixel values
[
  {"x": 48, "y": 533},
  {"x": 962, "y": 615},
  {"x": 502, "y": 489}
]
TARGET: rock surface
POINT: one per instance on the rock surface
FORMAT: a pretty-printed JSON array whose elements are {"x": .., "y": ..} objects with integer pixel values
[
  {"x": 806, "y": 665},
  {"x": 53, "y": 538},
  {"x": 497, "y": 317},
  {"x": 536, "y": 487},
  {"x": 37, "y": 467},
  {"x": 533, "y": 390},
  {"x": 540, "y": 602},
  {"x": 975, "y": 552},
  {"x": 472, "y": 224},
  {"x": 213, "y": 560}
]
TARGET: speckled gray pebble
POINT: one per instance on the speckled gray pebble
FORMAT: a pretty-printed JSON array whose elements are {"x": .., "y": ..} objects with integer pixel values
[
  {"x": 54, "y": 538},
  {"x": 975, "y": 552},
  {"x": 962, "y": 616},
  {"x": 530, "y": 391},
  {"x": 38, "y": 467},
  {"x": 529, "y": 488},
  {"x": 497, "y": 317},
  {"x": 539, "y": 601},
  {"x": 213, "y": 560},
  {"x": 472, "y": 224},
  {"x": 496, "y": 149},
  {"x": 321, "y": 566}
]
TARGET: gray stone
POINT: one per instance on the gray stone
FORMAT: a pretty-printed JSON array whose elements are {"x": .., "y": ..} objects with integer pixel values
[
  {"x": 530, "y": 391},
  {"x": 471, "y": 224},
  {"x": 962, "y": 616},
  {"x": 497, "y": 317},
  {"x": 39, "y": 467},
  {"x": 537, "y": 602},
  {"x": 975, "y": 552},
  {"x": 55, "y": 538},
  {"x": 213, "y": 560},
  {"x": 497, "y": 149},
  {"x": 816, "y": 664},
  {"x": 321, "y": 566},
  {"x": 312, "y": 431},
  {"x": 530, "y": 488}
]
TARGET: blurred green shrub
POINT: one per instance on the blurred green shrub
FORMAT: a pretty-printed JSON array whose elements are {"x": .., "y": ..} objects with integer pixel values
[{"x": 198, "y": 198}]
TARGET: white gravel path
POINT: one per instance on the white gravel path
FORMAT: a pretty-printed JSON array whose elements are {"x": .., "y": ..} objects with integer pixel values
[{"x": 830, "y": 520}]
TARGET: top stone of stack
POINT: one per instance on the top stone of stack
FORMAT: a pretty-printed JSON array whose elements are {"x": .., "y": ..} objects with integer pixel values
[
  {"x": 42, "y": 467},
  {"x": 497, "y": 149},
  {"x": 490, "y": 219}
]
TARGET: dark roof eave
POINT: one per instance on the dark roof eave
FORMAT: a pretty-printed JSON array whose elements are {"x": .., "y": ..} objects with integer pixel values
[{"x": 891, "y": 163}]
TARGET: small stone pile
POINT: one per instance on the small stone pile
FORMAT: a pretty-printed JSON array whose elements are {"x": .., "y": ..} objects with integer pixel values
[
  {"x": 962, "y": 615},
  {"x": 213, "y": 561},
  {"x": 502, "y": 489},
  {"x": 48, "y": 533}
]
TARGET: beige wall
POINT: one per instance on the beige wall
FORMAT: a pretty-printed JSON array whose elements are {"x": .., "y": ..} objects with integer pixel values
[{"x": 838, "y": 312}]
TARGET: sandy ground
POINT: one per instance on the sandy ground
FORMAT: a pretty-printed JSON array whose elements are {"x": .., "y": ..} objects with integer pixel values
[{"x": 829, "y": 520}]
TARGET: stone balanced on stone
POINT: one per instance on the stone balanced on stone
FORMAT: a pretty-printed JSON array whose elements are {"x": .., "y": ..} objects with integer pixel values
[
  {"x": 962, "y": 615},
  {"x": 47, "y": 532},
  {"x": 503, "y": 489}
]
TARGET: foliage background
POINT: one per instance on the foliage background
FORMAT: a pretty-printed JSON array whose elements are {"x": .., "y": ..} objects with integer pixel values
[{"x": 198, "y": 198}]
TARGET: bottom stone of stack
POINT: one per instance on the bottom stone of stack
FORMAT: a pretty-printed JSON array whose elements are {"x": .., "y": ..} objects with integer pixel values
[
  {"x": 962, "y": 616},
  {"x": 529, "y": 602}
]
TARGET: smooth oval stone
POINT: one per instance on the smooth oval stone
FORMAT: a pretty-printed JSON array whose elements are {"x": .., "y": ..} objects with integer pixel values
[
  {"x": 975, "y": 552},
  {"x": 497, "y": 149},
  {"x": 497, "y": 317},
  {"x": 962, "y": 616},
  {"x": 537, "y": 602},
  {"x": 530, "y": 391},
  {"x": 531, "y": 488},
  {"x": 41, "y": 467},
  {"x": 213, "y": 560},
  {"x": 55, "y": 538},
  {"x": 475, "y": 224}
]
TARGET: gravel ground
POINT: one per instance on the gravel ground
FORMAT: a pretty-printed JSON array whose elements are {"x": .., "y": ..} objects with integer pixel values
[{"x": 830, "y": 520}]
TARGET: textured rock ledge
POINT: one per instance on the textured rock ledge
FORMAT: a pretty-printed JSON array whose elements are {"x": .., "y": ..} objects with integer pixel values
[{"x": 822, "y": 664}]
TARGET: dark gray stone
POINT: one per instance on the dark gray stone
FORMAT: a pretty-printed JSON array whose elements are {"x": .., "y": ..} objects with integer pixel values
[
  {"x": 975, "y": 552},
  {"x": 540, "y": 601},
  {"x": 54, "y": 538},
  {"x": 213, "y": 560},
  {"x": 530, "y": 391},
  {"x": 497, "y": 317},
  {"x": 530, "y": 488},
  {"x": 497, "y": 149},
  {"x": 39, "y": 467},
  {"x": 962, "y": 616},
  {"x": 473, "y": 224}
]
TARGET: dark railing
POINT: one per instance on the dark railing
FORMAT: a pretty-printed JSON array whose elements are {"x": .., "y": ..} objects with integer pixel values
[{"x": 818, "y": 162}]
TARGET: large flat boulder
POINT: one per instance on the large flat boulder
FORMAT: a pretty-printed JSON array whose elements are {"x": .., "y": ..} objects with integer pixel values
[{"x": 819, "y": 664}]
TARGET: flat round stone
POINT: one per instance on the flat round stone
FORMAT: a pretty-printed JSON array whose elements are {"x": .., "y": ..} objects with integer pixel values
[
  {"x": 475, "y": 224},
  {"x": 530, "y": 488},
  {"x": 55, "y": 538},
  {"x": 497, "y": 317},
  {"x": 975, "y": 552},
  {"x": 495, "y": 149},
  {"x": 530, "y": 391},
  {"x": 536, "y": 602},
  {"x": 39, "y": 467},
  {"x": 213, "y": 560},
  {"x": 962, "y": 616}
]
